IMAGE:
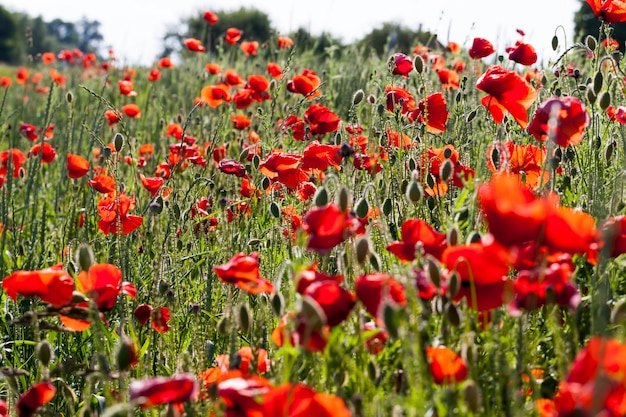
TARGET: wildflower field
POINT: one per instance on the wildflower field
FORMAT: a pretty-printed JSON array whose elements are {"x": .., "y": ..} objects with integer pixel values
[{"x": 256, "y": 231}]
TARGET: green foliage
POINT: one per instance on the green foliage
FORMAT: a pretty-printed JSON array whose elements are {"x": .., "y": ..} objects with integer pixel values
[
  {"x": 392, "y": 37},
  {"x": 586, "y": 23},
  {"x": 9, "y": 37}
]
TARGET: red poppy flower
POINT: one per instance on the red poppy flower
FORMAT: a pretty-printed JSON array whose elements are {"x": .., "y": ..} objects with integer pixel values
[
  {"x": 321, "y": 119},
  {"x": 376, "y": 290},
  {"x": 5, "y": 81},
  {"x": 531, "y": 287},
  {"x": 230, "y": 166},
  {"x": 240, "y": 121},
  {"x": 401, "y": 96},
  {"x": 22, "y": 76},
  {"x": 233, "y": 35},
  {"x": 416, "y": 231},
  {"x": 259, "y": 85},
  {"x": 335, "y": 302},
  {"x": 274, "y": 69},
  {"x": 52, "y": 285},
  {"x": 152, "y": 184},
  {"x": 317, "y": 156},
  {"x": 126, "y": 88},
  {"x": 249, "y": 47},
  {"x": 210, "y": 17},
  {"x": 284, "y": 42},
  {"x": 15, "y": 157},
  {"x": 571, "y": 120},
  {"x": 243, "y": 98},
  {"x": 240, "y": 393},
  {"x": 327, "y": 227},
  {"x": 114, "y": 217},
  {"x": 446, "y": 367},
  {"x": 103, "y": 283},
  {"x": 131, "y": 110},
  {"x": 295, "y": 125},
  {"x": 525, "y": 162},
  {"x": 142, "y": 313},
  {"x": 214, "y": 95},
  {"x": 311, "y": 275},
  {"x": 522, "y": 53},
  {"x": 512, "y": 211},
  {"x": 481, "y": 48},
  {"x": 48, "y": 58},
  {"x": 449, "y": 79},
  {"x": 398, "y": 140},
  {"x": 400, "y": 64},
  {"x": 431, "y": 163},
  {"x": 301, "y": 401},
  {"x": 610, "y": 11},
  {"x": 312, "y": 338},
  {"x": 306, "y": 84},
  {"x": 35, "y": 397},
  {"x": 154, "y": 391},
  {"x": 48, "y": 153},
  {"x": 77, "y": 166},
  {"x": 112, "y": 116},
  {"x": 102, "y": 183},
  {"x": 194, "y": 45},
  {"x": 243, "y": 271},
  {"x": 614, "y": 235},
  {"x": 570, "y": 231},
  {"x": 507, "y": 91},
  {"x": 154, "y": 75},
  {"x": 29, "y": 131},
  {"x": 433, "y": 112}
]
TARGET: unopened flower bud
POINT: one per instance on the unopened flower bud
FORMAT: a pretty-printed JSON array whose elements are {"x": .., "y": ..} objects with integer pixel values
[
  {"x": 342, "y": 199},
  {"x": 85, "y": 256},
  {"x": 320, "y": 199},
  {"x": 278, "y": 303},
  {"x": 358, "y": 97},
  {"x": 418, "y": 64},
  {"x": 598, "y": 79},
  {"x": 245, "y": 318},
  {"x": 591, "y": 42},
  {"x": 126, "y": 354},
  {"x": 471, "y": 393},
  {"x": 414, "y": 192},
  {"x": 362, "y": 249},
  {"x": 118, "y": 142},
  {"x": 274, "y": 209},
  {"x": 362, "y": 208},
  {"x": 44, "y": 352},
  {"x": 445, "y": 171},
  {"x": 604, "y": 100}
]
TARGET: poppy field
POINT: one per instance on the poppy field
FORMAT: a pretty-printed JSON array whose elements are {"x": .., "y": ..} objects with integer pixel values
[{"x": 259, "y": 230}]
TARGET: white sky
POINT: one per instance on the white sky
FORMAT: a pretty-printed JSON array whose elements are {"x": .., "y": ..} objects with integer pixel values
[{"x": 134, "y": 28}]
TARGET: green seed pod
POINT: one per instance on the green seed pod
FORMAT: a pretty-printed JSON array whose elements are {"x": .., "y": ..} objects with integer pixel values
[
  {"x": 387, "y": 206},
  {"x": 375, "y": 262},
  {"x": 245, "y": 318},
  {"x": 320, "y": 199},
  {"x": 343, "y": 199},
  {"x": 598, "y": 79},
  {"x": 555, "y": 42},
  {"x": 414, "y": 192},
  {"x": 274, "y": 209},
  {"x": 418, "y": 63},
  {"x": 118, "y": 142},
  {"x": 358, "y": 97},
  {"x": 44, "y": 352},
  {"x": 363, "y": 249},
  {"x": 85, "y": 257},
  {"x": 362, "y": 208},
  {"x": 591, "y": 42},
  {"x": 605, "y": 100}
]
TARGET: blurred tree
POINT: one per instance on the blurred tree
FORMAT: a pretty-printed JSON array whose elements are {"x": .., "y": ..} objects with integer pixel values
[
  {"x": 10, "y": 42},
  {"x": 587, "y": 23},
  {"x": 89, "y": 36},
  {"x": 393, "y": 37},
  {"x": 254, "y": 24}
]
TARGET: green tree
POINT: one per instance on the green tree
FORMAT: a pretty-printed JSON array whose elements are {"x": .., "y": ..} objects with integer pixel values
[
  {"x": 10, "y": 42},
  {"x": 393, "y": 37},
  {"x": 586, "y": 23}
]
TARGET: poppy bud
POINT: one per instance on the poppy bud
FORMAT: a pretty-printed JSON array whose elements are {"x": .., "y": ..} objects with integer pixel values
[
  {"x": 598, "y": 79},
  {"x": 371, "y": 99},
  {"x": 372, "y": 371},
  {"x": 84, "y": 256},
  {"x": 78, "y": 297},
  {"x": 454, "y": 284},
  {"x": 44, "y": 352},
  {"x": 265, "y": 182},
  {"x": 608, "y": 151},
  {"x": 591, "y": 96},
  {"x": 387, "y": 206},
  {"x": 471, "y": 393},
  {"x": 453, "y": 236},
  {"x": 312, "y": 313},
  {"x": 453, "y": 315},
  {"x": 342, "y": 199},
  {"x": 156, "y": 206},
  {"x": 243, "y": 155},
  {"x": 418, "y": 64},
  {"x": 474, "y": 237},
  {"x": 278, "y": 303},
  {"x": 605, "y": 100},
  {"x": 274, "y": 209},
  {"x": 69, "y": 97},
  {"x": 470, "y": 116},
  {"x": 321, "y": 197},
  {"x": 126, "y": 354},
  {"x": 591, "y": 42},
  {"x": 555, "y": 42},
  {"x": 362, "y": 249},
  {"x": 362, "y": 208},
  {"x": 222, "y": 326},
  {"x": 256, "y": 161},
  {"x": 390, "y": 320},
  {"x": 245, "y": 318},
  {"x": 618, "y": 314},
  {"x": 431, "y": 203},
  {"x": 414, "y": 192},
  {"x": 445, "y": 171},
  {"x": 118, "y": 142},
  {"x": 375, "y": 261},
  {"x": 434, "y": 269},
  {"x": 358, "y": 97}
]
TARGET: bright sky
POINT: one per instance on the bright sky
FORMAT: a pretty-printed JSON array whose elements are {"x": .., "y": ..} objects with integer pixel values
[{"x": 134, "y": 28}]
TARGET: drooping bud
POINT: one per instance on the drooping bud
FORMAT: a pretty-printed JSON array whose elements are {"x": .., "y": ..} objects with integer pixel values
[
  {"x": 342, "y": 199},
  {"x": 418, "y": 64},
  {"x": 445, "y": 171},
  {"x": 598, "y": 79},
  {"x": 278, "y": 303},
  {"x": 274, "y": 209},
  {"x": 591, "y": 42},
  {"x": 605, "y": 100},
  {"x": 414, "y": 192},
  {"x": 321, "y": 197},
  {"x": 85, "y": 257},
  {"x": 390, "y": 320},
  {"x": 358, "y": 97},
  {"x": 118, "y": 142},
  {"x": 245, "y": 318},
  {"x": 362, "y": 208},
  {"x": 555, "y": 42},
  {"x": 434, "y": 269},
  {"x": 471, "y": 393},
  {"x": 387, "y": 206},
  {"x": 363, "y": 249},
  {"x": 453, "y": 236}
]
